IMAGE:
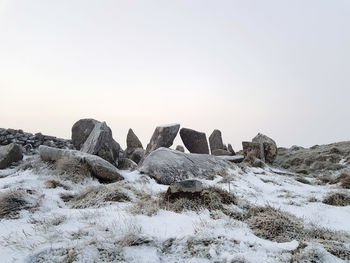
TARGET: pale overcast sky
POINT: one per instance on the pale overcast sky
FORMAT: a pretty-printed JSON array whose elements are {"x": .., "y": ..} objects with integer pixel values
[{"x": 277, "y": 67}]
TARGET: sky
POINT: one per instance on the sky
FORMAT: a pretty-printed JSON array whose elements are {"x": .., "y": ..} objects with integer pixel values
[{"x": 278, "y": 67}]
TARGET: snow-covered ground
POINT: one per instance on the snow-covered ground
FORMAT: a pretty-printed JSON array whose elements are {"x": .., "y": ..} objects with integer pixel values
[{"x": 114, "y": 232}]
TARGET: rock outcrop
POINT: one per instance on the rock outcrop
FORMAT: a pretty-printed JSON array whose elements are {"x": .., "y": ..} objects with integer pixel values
[
  {"x": 9, "y": 154},
  {"x": 269, "y": 146},
  {"x": 215, "y": 141},
  {"x": 99, "y": 168},
  {"x": 132, "y": 143},
  {"x": 194, "y": 141},
  {"x": 163, "y": 136},
  {"x": 167, "y": 166},
  {"x": 95, "y": 137}
]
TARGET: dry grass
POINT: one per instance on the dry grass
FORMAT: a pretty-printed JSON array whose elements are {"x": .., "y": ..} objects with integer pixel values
[
  {"x": 72, "y": 169},
  {"x": 51, "y": 184},
  {"x": 12, "y": 202},
  {"x": 302, "y": 180},
  {"x": 273, "y": 224},
  {"x": 344, "y": 180},
  {"x": 97, "y": 196},
  {"x": 337, "y": 199}
]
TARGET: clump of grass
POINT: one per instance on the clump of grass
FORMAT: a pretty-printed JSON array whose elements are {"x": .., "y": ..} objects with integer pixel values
[
  {"x": 54, "y": 184},
  {"x": 97, "y": 196},
  {"x": 12, "y": 202},
  {"x": 344, "y": 180},
  {"x": 337, "y": 199},
  {"x": 211, "y": 198},
  {"x": 272, "y": 224}
]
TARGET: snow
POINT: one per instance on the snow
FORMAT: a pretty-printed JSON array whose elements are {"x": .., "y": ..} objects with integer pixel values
[{"x": 54, "y": 228}]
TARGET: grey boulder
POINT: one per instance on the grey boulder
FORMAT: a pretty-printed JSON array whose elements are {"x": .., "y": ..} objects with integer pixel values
[
  {"x": 230, "y": 149},
  {"x": 167, "y": 166},
  {"x": 126, "y": 164},
  {"x": 101, "y": 143},
  {"x": 132, "y": 143},
  {"x": 81, "y": 131},
  {"x": 180, "y": 148},
  {"x": 194, "y": 141},
  {"x": 253, "y": 149},
  {"x": 220, "y": 152},
  {"x": 215, "y": 141},
  {"x": 269, "y": 146},
  {"x": 163, "y": 136},
  {"x": 137, "y": 155},
  {"x": 9, "y": 154},
  {"x": 99, "y": 168}
]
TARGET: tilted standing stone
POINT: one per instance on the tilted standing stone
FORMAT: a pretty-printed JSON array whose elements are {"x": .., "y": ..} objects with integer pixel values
[
  {"x": 269, "y": 146},
  {"x": 163, "y": 136},
  {"x": 9, "y": 154},
  {"x": 132, "y": 143},
  {"x": 194, "y": 141},
  {"x": 215, "y": 141},
  {"x": 81, "y": 131}
]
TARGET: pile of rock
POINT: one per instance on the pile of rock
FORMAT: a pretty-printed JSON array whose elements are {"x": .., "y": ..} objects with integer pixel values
[{"x": 30, "y": 142}]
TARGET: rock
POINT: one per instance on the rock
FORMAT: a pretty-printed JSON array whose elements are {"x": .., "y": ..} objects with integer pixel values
[
  {"x": 220, "y": 152},
  {"x": 194, "y": 141},
  {"x": 167, "y": 166},
  {"x": 269, "y": 145},
  {"x": 234, "y": 159},
  {"x": 101, "y": 143},
  {"x": 100, "y": 168},
  {"x": 163, "y": 136},
  {"x": 138, "y": 155},
  {"x": 132, "y": 143},
  {"x": 126, "y": 164},
  {"x": 215, "y": 141},
  {"x": 230, "y": 149},
  {"x": 9, "y": 154},
  {"x": 185, "y": 189},
  {"x": 254, "y": 148},
  {"x": 81, "y": 131},
  {"x": 180, "y": 148}
]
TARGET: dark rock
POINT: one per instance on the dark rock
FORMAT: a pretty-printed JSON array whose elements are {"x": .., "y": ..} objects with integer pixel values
[
  {"x": 230, "y": 149},
  {"x": 194, "y": 141},
  {"x": 81, "y": 131},
  {"x": 167, "y": 166},
  {"x": 101, "y": 143},
  {"x": 9, "y": 154},
  {"x": 137, "y": 155},
  {"x": 180, "y": 148},
  {"x": 132, "y": 143},
  {"x": 220, "y": 152},
  {"x": 163, "y": 136},
  {"x": 269, "y": 145},
  {"x": 215, "y": 141}
]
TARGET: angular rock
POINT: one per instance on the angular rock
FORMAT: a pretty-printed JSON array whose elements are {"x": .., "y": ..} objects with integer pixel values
[
  {"x": 99, "y": 168},
  {"x": 137, "y": 155},
  {"x": 101, "y": 143},
  {"x": 167, "y": 166},
  {"x": 194, "y": 141},
  {"x": 9, "y": 154},
  {"x": 81, "y": 131},
  {"x": 180, "y": 148},
  {"x": 221, "y": 152},
  {"x": 269, "y": 145},
  {"x": 187, "y": 188},
  {"x": 132, "y": 143},
  {"x": 215, "y": 141},
  {"x": 126, "y": 164},
  {"x": 254, "y": 149},
  {"x": 230, "y": 149},
  {"x": 234, "y": 159},
  {"x": 163, "y": 136}
]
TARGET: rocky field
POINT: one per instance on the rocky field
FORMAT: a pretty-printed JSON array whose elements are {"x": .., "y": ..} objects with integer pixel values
[{"x": 92, "y": 201}]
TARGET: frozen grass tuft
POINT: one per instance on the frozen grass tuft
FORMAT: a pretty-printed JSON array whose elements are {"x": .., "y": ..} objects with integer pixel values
[
  {"x": 12, "y": 202},
  {"x": 337, "y": 199}
]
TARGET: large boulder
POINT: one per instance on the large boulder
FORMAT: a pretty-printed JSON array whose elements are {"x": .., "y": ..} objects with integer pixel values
[
  {"x": 269, "y": 146},
  {"x": 215, "y": 141},
  {"x": 163, "y": 136},
  {"x": 81, "y": 131},
  {"x": 101, "y": 143},
  {"x": 99, "y": 168},
  {"x": 194, "y": 141},
  {"x": 9, "y": 154},
  {"x": 253, "y": 149},
  {"x": 132, "y": 143},
  {"x": 167, "y": 166}
]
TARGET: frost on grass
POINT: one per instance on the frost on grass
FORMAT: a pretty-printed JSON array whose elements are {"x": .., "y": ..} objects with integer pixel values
[
  {"x": 12, "y": 202},
  {"x": 337, "y": 199}
]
